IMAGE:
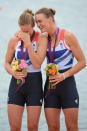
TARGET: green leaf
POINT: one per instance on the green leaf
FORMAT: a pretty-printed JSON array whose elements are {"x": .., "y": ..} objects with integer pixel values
[{"x": 18, "y": 81}]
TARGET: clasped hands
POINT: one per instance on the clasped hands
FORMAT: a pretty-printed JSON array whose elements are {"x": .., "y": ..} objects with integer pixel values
[
  {"x": 56, "y": 78},
  {"x": 25, "y": 37}
]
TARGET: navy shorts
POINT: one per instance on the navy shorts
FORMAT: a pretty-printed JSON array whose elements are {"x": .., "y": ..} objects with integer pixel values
[
  {"x": 31, "y": 93},
  {"x": 64, "y": 96}
]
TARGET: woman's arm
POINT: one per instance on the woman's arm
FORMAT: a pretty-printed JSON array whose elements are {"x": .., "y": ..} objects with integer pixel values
[
  {"x": 35, "y": 57},
  {"x": 72, "y": 41},
  {"x": 9, "y": 57}
]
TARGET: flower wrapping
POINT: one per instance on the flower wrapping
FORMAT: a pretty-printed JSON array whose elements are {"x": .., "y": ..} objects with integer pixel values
[
  {"x": 51, "y": 70},
  {"x": 20, "y": 65}
]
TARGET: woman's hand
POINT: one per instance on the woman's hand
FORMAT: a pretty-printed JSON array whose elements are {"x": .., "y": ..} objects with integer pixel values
[
  {"x": 56, "y": 78},
  {"x": 25, "y": 37},
  {"x": 16, "y": 34},
  {"x": 17, "y": 75}
]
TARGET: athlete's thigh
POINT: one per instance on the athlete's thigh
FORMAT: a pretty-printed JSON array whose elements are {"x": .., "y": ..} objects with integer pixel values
[
  {"x": 71, "y": 116},
  {"x": 52, "y": 116},
  {"x": 33, "y": 114},
  {"x": 15, "y": 113}
]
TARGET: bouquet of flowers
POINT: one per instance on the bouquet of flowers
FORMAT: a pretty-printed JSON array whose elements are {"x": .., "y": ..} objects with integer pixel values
[
  {"x": 20, "y": 65},
  {"x": 51, "y": 69}
]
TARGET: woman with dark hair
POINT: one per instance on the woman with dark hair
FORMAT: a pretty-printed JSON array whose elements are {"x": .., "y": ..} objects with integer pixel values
[{"x": 62, "y": 47}]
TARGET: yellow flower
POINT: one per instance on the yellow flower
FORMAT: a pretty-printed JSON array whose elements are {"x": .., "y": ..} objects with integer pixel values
[
  {"x": 15, "y": 65},
  {"x": 15, "y": 62}
]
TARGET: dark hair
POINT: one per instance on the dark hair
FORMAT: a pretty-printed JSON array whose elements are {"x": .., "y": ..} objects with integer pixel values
[
  {"x": 48, "y": 12},
  {"x": 26, "y": 18}
]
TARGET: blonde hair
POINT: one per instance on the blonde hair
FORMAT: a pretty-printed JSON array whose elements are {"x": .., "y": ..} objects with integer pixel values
[
  {"x": 26, "y": 18},
  {"x": 48, "y": 12}
]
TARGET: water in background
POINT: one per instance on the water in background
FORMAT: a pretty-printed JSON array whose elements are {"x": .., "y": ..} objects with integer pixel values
[{"x": 71, "y": 15}]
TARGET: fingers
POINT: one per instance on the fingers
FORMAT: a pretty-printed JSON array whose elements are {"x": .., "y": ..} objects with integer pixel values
[
  {"x": 20, "y": 35},
  {"x": 54, "y": 84},
  {"x": 25, "y": 37},
  {"x": 53, "y": 77},
  {"x": 56, "y": 79},
  {"x": 53, "y": 80},
  {"x": 16, "y": 34},
  {"x": 18, "y": 75}
]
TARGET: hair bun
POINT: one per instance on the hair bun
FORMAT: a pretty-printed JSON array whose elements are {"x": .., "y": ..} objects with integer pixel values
[
  {"x": 29, "y": 11},
  {"x": 53, "y": 11}
]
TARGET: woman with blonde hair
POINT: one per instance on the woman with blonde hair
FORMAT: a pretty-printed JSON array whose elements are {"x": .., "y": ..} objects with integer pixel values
[{"x": 31, "y": 92}]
